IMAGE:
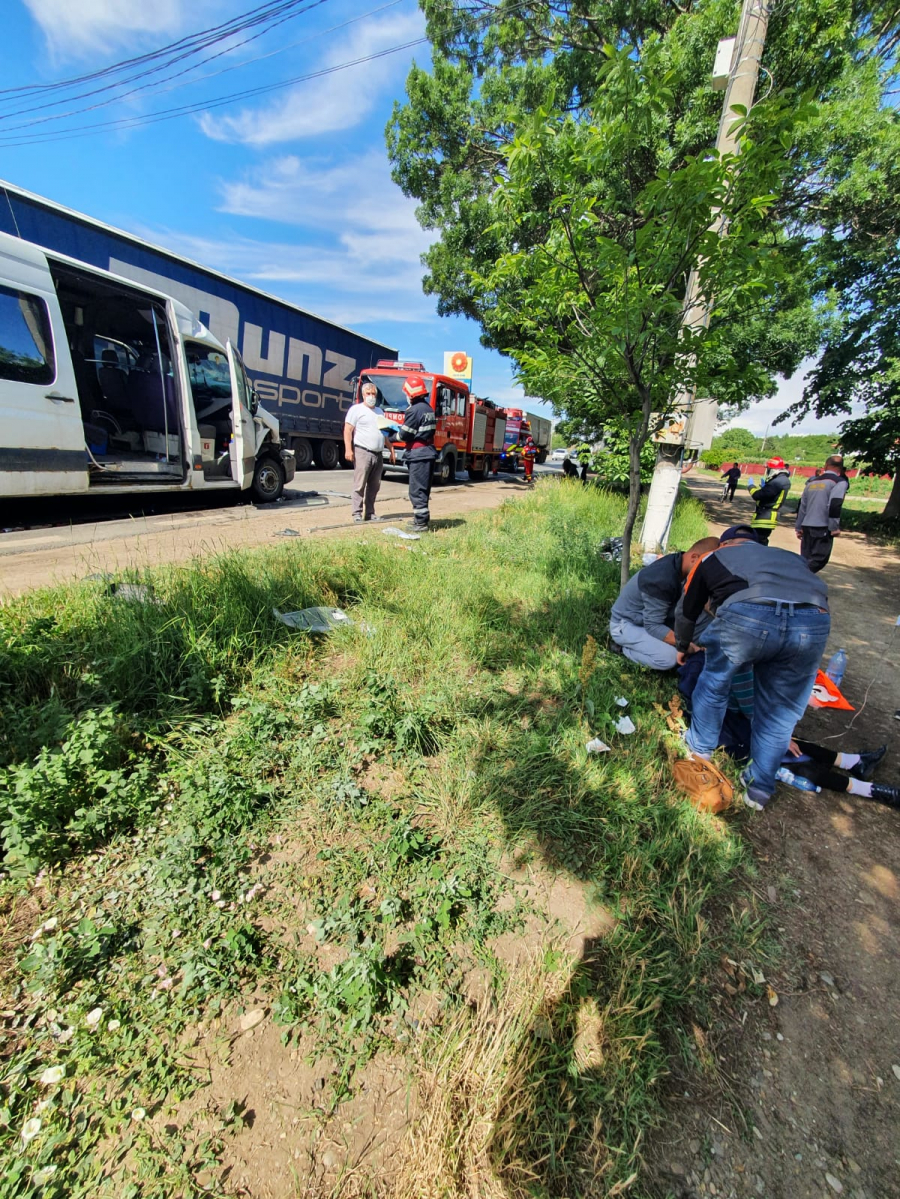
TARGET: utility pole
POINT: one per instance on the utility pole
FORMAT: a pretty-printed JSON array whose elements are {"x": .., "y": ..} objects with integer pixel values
[{"x": 740, "y": 90}]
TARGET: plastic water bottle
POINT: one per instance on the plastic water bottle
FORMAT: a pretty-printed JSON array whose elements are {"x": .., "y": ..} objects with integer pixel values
[
  {"x": 836, "y": 666},
  {"x": 795, "y": 780}
]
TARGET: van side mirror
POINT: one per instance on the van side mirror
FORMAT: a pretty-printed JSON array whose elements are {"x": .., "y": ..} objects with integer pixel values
[{"x": 254, "y": 401}]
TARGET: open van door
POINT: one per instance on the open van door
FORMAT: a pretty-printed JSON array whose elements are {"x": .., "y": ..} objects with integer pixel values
[
  {"x": 243, "y": 441},
  {"x": 42, "y": 437}
]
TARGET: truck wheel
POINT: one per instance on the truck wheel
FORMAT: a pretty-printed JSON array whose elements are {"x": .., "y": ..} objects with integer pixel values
[
  {"x": 302, "y": 452},
  {"x": 478, "y": 472},
  {"x": 326, "y": 454},
  {"x": 268, "y": 480},
  {"x": 445, "y": 470},
  {"x": 542, "y": 456}
]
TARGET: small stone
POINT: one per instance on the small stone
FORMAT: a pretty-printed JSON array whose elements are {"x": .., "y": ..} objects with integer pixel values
[
  {"x": 896, "y": 1070},
  {"x": 757, "y": 1133},
  {"x": 798, "y": 1157},
  {"x": 319, "y": 1084},
  {"x": 678, "y": 1169},
  {"x": 772, "y": 893},
  {"x": 694, "y": 1145},
  {"x": 779, "y": 1037},
  {"x": 252, "y": 1018},
  {"x": 835, "y": 1183},
  {"x": 855, "y": 1167},
  {"x": 329, "y": 1159},
  {"x": 826, "y": 978}
]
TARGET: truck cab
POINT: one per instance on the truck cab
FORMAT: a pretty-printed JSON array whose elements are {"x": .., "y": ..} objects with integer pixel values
[
  {"x": 106, "y": 385},
  {"x": 469, "y": 431}
]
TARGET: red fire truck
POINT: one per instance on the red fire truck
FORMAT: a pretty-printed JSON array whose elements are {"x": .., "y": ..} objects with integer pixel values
[{"x": 470, "y": 431}]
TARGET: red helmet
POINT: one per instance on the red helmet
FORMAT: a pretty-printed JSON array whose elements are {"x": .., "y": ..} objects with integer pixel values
[
  {"x": 415, "y": 386},
  {"x": 775, "y": 464}
]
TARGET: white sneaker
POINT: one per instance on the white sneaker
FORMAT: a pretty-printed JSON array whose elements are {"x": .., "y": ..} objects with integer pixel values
[{"x": 751, "y": 803}]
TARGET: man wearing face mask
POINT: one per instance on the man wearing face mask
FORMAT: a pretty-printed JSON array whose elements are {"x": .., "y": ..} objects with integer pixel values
[{"x": 363, "y": 446}]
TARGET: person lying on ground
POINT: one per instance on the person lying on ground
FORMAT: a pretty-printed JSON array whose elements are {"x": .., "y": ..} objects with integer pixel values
[
  {"x": 804, "y": 758},
  {"x": 771, "y": 614},
  {"x": 642, "y": 620},
  {"x": 819, "y": 515}
]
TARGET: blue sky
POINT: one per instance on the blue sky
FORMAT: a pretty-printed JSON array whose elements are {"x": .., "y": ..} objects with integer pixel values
[{"x": 289, "y": 190}]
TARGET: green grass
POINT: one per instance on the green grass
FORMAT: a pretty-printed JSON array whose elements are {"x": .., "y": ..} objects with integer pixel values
[
  {"x": 881, "y": 529},
  {"x": 155, "y": 753}
]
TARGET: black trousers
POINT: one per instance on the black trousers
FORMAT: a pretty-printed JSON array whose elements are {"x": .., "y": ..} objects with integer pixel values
[
  {"x": 762, "y": 535},
  {"x": 421, "y": 471},
  {"x": 819, "y": 769},
  {"x": 815, "y": 547}
]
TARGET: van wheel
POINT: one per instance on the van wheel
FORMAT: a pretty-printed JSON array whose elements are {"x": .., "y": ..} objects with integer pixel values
[
  {"x": 268, "y": 480},
  {"x": 302, "y": 452},
  {"x": 326, "y": 454}
]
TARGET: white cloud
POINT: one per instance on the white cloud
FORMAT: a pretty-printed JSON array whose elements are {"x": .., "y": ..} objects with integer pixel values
[
  {"x": 361, "y": 235},
  {"x": 332, "y": 102},
  {"x": 75, "y": 28},
  {"x": 760, "y": 416}
]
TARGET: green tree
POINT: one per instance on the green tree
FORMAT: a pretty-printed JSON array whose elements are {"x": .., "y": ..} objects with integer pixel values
[
  {"x": 740, "y": 441},
  {"x": 849, "y": 201}
]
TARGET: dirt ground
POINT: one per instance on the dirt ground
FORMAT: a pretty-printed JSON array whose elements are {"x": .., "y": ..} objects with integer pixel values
[
  {"x": 805, "y": 1099},
  {"x": 38, "y": 557}
]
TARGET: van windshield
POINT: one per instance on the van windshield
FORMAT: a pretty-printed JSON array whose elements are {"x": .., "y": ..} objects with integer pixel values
[{"x": 390, "y": 390}]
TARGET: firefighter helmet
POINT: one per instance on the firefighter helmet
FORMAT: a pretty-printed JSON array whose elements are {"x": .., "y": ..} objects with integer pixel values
[
  {"x": 414, "y": 387},
  {"x": 776, "y": 464}
]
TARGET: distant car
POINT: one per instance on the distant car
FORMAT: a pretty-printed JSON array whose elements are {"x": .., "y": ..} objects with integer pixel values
[{"x": 559, "y": 455}]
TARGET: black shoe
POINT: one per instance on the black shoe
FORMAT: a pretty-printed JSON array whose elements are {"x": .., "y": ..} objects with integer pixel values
[
  {"x": 865, "y": 767},
  {"x": 615, "y": 648},
  {"x": 897, "y": 714},
  {"x": 420, "y": 526},
  {"x": 881, "y": 793}
]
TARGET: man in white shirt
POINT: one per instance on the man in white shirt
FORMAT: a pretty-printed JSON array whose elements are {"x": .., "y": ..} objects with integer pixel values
[{"x": 363, "y": 446}]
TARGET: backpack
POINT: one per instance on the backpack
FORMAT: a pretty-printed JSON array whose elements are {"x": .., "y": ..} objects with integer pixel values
[{"x": 704, "y": 784}]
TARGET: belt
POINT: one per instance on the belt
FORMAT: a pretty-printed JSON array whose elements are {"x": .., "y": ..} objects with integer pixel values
[{"x": 784, "y": 604}]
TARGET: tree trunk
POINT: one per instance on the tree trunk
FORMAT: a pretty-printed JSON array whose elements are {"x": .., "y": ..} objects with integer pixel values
[
  {"x": 634, "y": 503},
  {"x": 892, "y": 507}
]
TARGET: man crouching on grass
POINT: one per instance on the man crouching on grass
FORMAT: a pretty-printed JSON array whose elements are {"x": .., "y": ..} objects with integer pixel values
[
  {"x": 642, "y": 620},
  {"x": 771, "y": 614}
]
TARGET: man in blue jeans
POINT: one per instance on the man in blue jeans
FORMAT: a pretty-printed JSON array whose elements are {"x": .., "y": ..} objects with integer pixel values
[{"x": 771, "y": 613}]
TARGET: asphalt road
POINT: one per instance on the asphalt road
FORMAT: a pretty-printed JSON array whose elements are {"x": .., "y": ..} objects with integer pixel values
[{"x": 328, "y": 486}]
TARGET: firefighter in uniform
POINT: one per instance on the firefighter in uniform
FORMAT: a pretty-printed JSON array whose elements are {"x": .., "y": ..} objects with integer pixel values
[
  {"x": 529, "y": 453},
  {"x": 768, "y": 497},
  {"x": 417, "y": 431}
]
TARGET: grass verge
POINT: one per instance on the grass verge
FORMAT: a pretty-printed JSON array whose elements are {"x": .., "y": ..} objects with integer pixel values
[{"x": 206, "y": 815}]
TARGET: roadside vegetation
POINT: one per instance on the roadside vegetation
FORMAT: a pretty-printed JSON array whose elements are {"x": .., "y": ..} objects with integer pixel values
[{"x": 209, "y": 820}]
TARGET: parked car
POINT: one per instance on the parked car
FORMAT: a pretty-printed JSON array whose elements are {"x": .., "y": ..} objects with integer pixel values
[{"x": 559, "y": 455}]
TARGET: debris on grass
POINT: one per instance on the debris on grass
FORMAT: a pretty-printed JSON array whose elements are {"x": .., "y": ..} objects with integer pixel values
[
  {"x": 596, "y": 746},
  {"x": 314, "y": 620}
]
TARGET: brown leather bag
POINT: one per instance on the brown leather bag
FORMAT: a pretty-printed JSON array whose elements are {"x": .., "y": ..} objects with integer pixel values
[{"x": 704, "y": 784}]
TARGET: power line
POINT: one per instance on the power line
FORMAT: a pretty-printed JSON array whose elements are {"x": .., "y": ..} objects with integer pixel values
[
  {"x": 243, "y": 20},
  {"x": 480, "y": 11},
  {"x": 133, "y": 91},
  {"x": 202, "y": 105}
]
